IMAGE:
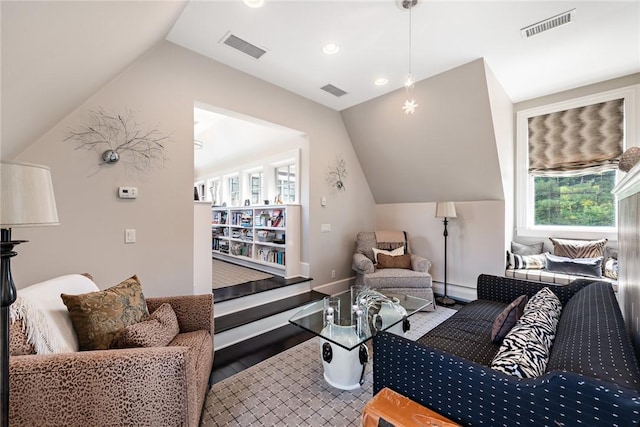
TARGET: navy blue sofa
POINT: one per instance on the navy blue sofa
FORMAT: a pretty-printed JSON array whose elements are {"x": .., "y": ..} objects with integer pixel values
[{"x": 592, "y": 378}]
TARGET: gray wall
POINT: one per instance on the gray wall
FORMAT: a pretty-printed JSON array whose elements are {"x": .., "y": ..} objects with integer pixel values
[{"x": 162, "y": 87}]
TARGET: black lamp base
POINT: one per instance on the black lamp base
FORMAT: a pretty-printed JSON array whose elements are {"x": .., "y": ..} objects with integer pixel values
[{"x": 445, "y": 301}]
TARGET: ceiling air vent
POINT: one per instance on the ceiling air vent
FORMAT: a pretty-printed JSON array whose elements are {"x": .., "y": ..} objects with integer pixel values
[
  {"x": 243, "y": 46},
  {"x": 548, "y": 24},
  {"x": 333, "y": 90}
]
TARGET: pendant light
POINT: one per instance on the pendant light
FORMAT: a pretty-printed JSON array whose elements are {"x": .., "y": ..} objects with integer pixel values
[{"x": 410, "y": 104}]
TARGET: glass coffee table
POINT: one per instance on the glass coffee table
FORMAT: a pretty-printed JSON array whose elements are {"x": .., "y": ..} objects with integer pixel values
[{"x": 346, "y": 321}]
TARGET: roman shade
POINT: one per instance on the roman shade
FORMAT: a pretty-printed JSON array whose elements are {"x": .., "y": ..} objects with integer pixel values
[{"x": 570, "y": 142}]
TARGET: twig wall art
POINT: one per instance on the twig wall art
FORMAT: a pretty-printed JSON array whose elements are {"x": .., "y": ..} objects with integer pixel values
[
  {"x": 337, "y": 174},
  {"x": 119, "y": 136}
]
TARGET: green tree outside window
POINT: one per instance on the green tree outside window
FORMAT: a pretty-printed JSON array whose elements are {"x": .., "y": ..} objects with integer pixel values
[{"x": 584, "y": 200}]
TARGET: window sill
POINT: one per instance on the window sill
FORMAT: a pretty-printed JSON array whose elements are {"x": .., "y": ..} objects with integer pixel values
[{"x": 564, "y": 233}]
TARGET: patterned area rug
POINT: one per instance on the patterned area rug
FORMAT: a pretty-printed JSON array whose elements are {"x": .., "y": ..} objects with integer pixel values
[
  {"x": 289, "y": 389},
  {"x": 227, "y": 274}
]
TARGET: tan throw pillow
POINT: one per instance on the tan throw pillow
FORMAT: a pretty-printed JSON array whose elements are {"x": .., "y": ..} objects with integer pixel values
[
  {"x": 398, "y": 261},
  {"x": 578, "y": 248},
  {"x": 508, "y": 318},
  {"x": 156, "y": 331},
  {"x": 98, "y": 316},
  {"x": 395, "y": 252}
]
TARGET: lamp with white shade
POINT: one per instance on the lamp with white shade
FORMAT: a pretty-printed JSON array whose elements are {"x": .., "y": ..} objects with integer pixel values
[
  {"x": 26, "y": 200},
  {"x": 445, "y": 210}
]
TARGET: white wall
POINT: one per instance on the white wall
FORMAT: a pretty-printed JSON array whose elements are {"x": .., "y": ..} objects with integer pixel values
[
  {"x": 503, "y": 127},
  {"x": 162, "y": 87},
  {"x": 474, "y": 246}
]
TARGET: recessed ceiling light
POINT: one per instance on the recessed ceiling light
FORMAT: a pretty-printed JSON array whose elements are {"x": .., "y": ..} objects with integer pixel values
[
  {"x": 253, "y": 3},
  {"x": 330, "y": 48},
  {"x": 381, "y": 81}
]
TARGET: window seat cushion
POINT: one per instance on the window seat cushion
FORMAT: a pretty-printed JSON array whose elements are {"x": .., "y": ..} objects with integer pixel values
[{"x": 549, "y": 277}]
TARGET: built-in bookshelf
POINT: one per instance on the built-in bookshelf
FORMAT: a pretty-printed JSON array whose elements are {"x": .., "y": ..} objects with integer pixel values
[{"x": 263, "y": 237}]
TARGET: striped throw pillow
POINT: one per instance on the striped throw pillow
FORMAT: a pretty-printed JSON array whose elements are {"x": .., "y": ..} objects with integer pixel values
[
  {"x": 527, "y": 262},
  {"x": 578, "y": 248}
]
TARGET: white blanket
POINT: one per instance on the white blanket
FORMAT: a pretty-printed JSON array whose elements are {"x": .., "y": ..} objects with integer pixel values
[{"x": 45, "y": 317}]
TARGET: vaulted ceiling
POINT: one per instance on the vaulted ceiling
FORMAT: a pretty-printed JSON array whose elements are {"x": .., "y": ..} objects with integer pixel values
[{"x": 55, "y": 55}]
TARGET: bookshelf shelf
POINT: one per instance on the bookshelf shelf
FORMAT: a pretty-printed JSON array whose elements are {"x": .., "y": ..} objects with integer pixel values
[{"x": 266, "y": 238}]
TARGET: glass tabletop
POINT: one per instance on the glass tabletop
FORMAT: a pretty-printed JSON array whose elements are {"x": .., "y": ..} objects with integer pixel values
[{"x": 337, "y": 319}]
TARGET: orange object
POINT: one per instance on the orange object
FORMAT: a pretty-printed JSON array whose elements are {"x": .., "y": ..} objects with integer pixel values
[{"x": 400, "y": 412}]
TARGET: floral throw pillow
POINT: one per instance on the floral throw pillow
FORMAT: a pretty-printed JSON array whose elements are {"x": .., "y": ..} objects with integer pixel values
[{"x": 98, "y": 316}]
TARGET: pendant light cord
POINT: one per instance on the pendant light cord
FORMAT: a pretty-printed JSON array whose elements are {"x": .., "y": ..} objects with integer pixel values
[{"x": 410, "y": 21}]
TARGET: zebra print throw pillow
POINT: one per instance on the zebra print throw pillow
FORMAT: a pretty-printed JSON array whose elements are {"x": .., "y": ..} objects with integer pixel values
[
  {"x": 543, "y": 299},
  {"x": 578, "y": 248},
  {"x": 525, "y": 350}
]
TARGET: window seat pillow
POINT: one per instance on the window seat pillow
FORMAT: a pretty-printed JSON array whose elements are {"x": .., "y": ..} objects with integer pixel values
[
  {"x": 590, "y": 267},
  {"x": 527, "y": 262}
]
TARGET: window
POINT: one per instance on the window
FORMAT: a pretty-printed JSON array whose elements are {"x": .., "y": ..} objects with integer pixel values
[
  {"x": 234, "y": 190},
  {"x": 286, "y": 183},
  {"x": 214, "y": 191},
  {"x": 255, "y": 182},
  {"x": 584, "y": 200},
  {"x": 265, "y": 179},
  {"x": 567, "y": 158}
]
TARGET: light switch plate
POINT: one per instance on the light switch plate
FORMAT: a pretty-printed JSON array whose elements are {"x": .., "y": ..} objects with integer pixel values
[{"x": 130, "y": 235}]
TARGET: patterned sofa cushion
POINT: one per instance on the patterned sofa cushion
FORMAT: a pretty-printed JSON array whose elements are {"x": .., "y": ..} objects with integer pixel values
[
  {"x": 599, "y": 328},
  {"x": 467, "y": 333}
]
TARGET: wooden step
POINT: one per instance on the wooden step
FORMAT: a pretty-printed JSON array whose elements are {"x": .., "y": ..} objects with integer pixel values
[
  {"x": 239, "y": 318},
  {"x": 236, "y": 326},
  {"x": 251, "y": 288}
]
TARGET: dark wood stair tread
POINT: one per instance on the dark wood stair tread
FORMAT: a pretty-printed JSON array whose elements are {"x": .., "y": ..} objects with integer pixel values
[{"x": 253, "y": 314}]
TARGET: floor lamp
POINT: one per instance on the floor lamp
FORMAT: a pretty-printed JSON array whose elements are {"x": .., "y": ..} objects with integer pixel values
[
  {"x": 445, "y": 210},
  {"x": 26, "y": 200}
]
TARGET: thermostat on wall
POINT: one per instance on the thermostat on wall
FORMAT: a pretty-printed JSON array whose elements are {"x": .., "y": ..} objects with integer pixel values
[{"x": 128, "y": 192}]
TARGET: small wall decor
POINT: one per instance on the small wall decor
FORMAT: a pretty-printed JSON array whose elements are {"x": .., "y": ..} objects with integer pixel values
[
  {"x": 337, "y": 174},
  {"x": 120, "y": 136}
]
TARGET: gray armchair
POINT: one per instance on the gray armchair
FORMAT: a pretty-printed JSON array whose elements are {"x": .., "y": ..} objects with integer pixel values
[{"x": 415, "y": 281}]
